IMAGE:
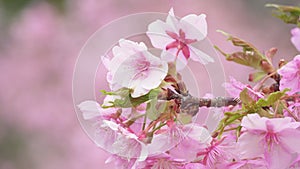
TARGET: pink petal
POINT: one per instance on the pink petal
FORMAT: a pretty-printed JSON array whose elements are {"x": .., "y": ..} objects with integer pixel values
[
  {"x": 278, "y": 158},
  {"x": 296, "y": 38},
  {"x": 250, "y": 145},
  {"x": 290, "y": 139},
  {"x": 172, "y": 45},
  {"x": 186, "y": 51}
]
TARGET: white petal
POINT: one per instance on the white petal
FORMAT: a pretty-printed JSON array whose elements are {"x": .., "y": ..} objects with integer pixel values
[
  {"x": 156, "y": 76},
  {"x": 139, "y": 91},
  {"x": 172, "y": 21},
  {"x": 167, "y": 56},
  {"x": 144, "y": 153},
  {"x": 199, "y": 56},
  {"x": 106, "y": 62},
  {"x": 181, "y": 61},
  {"x": 194, "y": 27},
  {"x": 132, "y": 46},
  {"x": 90, "y": 109},
  {"x": 112, "y": 125},
  {"x": 254, "y": 122},
  {"x": 157, "y": 34}
]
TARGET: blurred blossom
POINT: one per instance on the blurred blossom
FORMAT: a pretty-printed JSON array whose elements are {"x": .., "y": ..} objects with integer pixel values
[
  {"x": 296, "y": 37},
  {"x": 36, "y": 65},
  {"x": 290, "y": 76}
]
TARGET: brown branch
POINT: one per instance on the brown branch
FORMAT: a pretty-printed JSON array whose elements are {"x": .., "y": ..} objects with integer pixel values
[{"x": 190, "y": 105}]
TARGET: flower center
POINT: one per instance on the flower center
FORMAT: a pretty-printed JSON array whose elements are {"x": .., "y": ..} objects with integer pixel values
[
  {"x": 141, "y": 67},
  {"x": 181, "y": 43},
  {"x": 271, "y": 137}
]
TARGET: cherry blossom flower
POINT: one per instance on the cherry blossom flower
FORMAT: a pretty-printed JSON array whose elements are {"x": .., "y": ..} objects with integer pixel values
[
  {"x": 290, "y": 76},
  {"x": 295, "y": 39},
  {"x": 275, "y": 140},
  {"x": 295, "y": 109},
  {"x": 180, "y": 138},
  {"x": 235, "y": 87},
  {"x": 135, "y": 68},
  {"x": 161, "y": 161},
  {"x": 176, "y": 36},
  {"x": 125, "y": 143},
  {"x": 121, "y": 163},
  {"x": 110, "y": 135},
  {"x": 219, "y": 153}
]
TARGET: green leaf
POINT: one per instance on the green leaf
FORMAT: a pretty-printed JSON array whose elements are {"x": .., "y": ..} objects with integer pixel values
[
  {"x": 120, "y": 92},
  {"x": 257, "y": 76},
  {"x": 229, "y": 118},
  {"x": 126, "y": 101},
  {"x": 288, "y": 14},
  {"x": 246, "y": 98},
  {"x": 238, "y": 131},
  {"x": 151, "y": 110},
  {"x": 249, "y": 56},
  {"x": 264, "y": 113},
  {"x": 271, "y": 99}
]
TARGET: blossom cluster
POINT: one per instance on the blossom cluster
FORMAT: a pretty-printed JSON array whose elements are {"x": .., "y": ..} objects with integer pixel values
[{"x": 145, "y": 120}]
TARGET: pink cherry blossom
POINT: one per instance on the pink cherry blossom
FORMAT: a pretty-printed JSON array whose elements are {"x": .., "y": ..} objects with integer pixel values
[
  {"x": 125, "y": 143},
  {"x": 176, "y": 36},
  {"x": 121, "y": 163},
  {"x": 295, "y": 39},
  {"x": 219, "y": 153},
  {"x": 275, "y": 140},
  {"x": 161, "y": 161},
  {"x": 235, "y": 87},
  {"x": 295, "y": 109},
  {"x": 135, "y": 68},
  {"x": 290, "y": 76},
  {"x": 178, "y": 139}
]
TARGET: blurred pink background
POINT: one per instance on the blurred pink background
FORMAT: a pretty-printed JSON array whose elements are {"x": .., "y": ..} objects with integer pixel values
[{"x": 40, "y": 41}]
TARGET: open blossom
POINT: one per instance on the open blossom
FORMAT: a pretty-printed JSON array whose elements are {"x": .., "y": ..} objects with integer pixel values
[
  {"x": 135, "y": 68},
  {"x": 110, "y": 135},
  {"x": 125, "y": 143},
  {"x": 235, "y": 87},
  {"x": 294, "y": 108},
  {"x": 290, "y": 76},
  {"x": 176, "y": 36},
  {"x": 296, "y": 37},
  {"x": 182, "y": 141},
  {"x": 276, "y": 140},
  {"x": 161, "y": 161}
]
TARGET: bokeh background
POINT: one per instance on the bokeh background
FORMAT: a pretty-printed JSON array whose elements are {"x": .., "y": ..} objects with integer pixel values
[{"x": 40, "y": 41}]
